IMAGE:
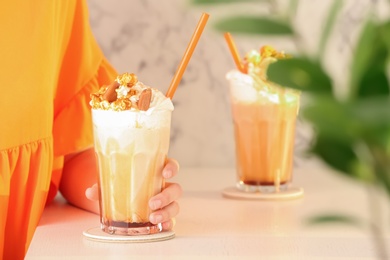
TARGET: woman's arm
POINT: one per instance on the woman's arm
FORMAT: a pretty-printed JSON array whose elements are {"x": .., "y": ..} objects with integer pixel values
[
  {"x": 79, "y": 173},
  {"x": 78, "y": 186}
]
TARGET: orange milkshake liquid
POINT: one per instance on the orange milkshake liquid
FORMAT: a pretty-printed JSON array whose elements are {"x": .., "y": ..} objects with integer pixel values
[{"x": 264, "y": 138}]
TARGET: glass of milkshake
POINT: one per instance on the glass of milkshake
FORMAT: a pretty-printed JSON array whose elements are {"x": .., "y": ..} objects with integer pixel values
[
  {"x": 264, "y": 116},
  {"x": 131, "y": 134}
]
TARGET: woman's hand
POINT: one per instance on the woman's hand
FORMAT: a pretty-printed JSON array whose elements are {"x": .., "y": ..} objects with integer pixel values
[{"x": 164, "y": 204}]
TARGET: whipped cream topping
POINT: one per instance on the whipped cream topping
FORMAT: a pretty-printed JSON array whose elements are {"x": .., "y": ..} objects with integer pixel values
[
  {"x": 158, "y": 101},
  {"x": 253, "y": 86}
]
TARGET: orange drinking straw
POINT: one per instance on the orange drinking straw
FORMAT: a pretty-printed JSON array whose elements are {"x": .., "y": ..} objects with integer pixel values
[
  {"x": 234, "y": 52},
  {"x": 187, "y": 55}
]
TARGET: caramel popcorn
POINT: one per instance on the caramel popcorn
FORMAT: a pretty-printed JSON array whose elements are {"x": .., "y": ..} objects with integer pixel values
[
  {"x": 122, "y": 94},
  {"x": 257, "y": 57},
  {"x": 268, "y": 51},
  {"x": 127, "y": 79},
  {"x": 256, "y": 62}
]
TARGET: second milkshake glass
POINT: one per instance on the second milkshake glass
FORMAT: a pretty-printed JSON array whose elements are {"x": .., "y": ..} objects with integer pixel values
[
  {"x": 264, "y": 116},
  {"x": 264, "y": 127}
]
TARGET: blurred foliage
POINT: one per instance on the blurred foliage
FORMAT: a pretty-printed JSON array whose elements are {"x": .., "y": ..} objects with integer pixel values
[
  {"x": 352, "y": 134},
  {"x": 330, "y": 218},
  {"x": 356, "y": 126},
  {"x": 254, "y": 25}
]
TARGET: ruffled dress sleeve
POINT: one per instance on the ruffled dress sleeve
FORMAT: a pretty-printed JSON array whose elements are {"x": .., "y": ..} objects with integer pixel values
[
  {"x": 72, "y": 131},
  {"x": 50, "y": 65}
]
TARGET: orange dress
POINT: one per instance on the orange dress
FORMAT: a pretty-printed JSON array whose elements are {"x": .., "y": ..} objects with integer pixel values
[{"x": 50, "y": 63}]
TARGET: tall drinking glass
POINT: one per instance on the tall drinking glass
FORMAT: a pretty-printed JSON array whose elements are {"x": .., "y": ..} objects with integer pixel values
[
  {"x": 264, "y": 119},
  {"x": 131, "y": 149}
]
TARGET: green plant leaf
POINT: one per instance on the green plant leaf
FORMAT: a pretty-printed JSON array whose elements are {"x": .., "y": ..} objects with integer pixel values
[
  {"x": 373, "y": 83},
  {"x": 333, "y": 119},
  {"x": 373, "y": 111},
  {"x": 334, "y": 218},
  {"x": 369, "y": 66},
  {"x": 330, "y": 21},
  {"x": 362, "y": 54},
  {"x": 349, "y": 120},
  {"x": 341, "y": 126},
  {"x": 337, "y": 154},
  {"x": 363, "y": 171},
  {"x": 382, "y": 166},
  {"x": 384, "y": 31},
  {"x": 302, "y": 74},
  {"x": 373, "y": 79},
  {"x": 213, "y": 2},
  {"x": 253, "y": 25},
  {"x": 373, "y": 115}
]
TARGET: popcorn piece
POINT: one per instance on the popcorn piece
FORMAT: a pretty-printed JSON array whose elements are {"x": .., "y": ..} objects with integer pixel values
[
  {"x": 125, "y": 93},
  {"x": 127, "y": 79}
]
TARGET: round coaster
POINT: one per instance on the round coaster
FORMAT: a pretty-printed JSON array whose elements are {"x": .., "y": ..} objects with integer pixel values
[
  {"x": 97, "y": 234},
  {"x": 290, "y": 193}
]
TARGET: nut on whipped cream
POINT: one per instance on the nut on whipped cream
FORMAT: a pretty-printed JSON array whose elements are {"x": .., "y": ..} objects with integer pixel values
[{"x": 127, "y": 93}]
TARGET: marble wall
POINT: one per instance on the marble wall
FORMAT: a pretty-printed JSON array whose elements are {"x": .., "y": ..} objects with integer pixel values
[{"x": 149, "y": 37}]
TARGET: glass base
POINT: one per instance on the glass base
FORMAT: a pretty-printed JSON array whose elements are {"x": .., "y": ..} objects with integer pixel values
[
  {"x": 146, "y": 229},
  {"x": 261, "y": 188},
  {"x": 96, "y": 234}
]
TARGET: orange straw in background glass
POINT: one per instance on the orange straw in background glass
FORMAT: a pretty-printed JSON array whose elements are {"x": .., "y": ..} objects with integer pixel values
[
  {"x": 234, "y": 52},
  {"x": 187, "y": 55}
]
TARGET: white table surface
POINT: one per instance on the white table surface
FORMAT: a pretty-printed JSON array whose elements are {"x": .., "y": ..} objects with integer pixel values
[{"x": 213, "y": 227}]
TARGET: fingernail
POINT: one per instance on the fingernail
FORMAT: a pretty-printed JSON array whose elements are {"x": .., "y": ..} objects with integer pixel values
[
  {"x": 155, "y": 204},
  {"x": 167, "y": 174}
]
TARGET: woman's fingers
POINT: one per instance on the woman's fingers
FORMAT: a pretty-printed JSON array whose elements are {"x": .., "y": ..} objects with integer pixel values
[
  {"x": 169, "y": 225},
  {"x": 165, "y": 214},
  {"x": 171, "y": 168},
  {"x": 164, "y": 203},
  {"x": 169, "y": 194},
  {"x": 165, "y": 206}
]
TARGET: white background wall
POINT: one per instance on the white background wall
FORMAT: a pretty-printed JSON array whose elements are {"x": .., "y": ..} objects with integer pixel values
[{"x": 149, "y": 37}]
